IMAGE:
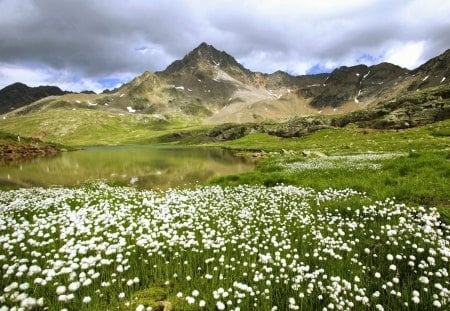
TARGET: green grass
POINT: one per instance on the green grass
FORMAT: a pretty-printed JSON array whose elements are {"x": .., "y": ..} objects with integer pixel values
[
  {"x": 419, "y": 179},
  {"x": 85, "y": 127},
  {"x": 351, "y": 140}
]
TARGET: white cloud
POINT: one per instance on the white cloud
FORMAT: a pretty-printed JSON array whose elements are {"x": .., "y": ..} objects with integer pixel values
[
  {"x": 36, "y": 76},
  {"x": 408, "y": 55}
]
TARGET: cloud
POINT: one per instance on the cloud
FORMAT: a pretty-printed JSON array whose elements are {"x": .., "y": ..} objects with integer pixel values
[
  {"x": 35, "y": 75},
  {"x": 406, "y": 55},
  {"x": 100, "y": 40}
]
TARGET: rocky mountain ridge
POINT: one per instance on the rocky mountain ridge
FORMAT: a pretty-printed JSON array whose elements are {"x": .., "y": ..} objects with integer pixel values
[{"x": 212, "y": 86}]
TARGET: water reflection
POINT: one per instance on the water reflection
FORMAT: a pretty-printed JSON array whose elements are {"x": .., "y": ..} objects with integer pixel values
[{"x": 147, "y": 167}]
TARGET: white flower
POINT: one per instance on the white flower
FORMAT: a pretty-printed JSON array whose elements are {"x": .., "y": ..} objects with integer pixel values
[
  {"x": 389, "y": 257},
  {"x": 202, "y": 303},
  {"x": 190, "y": 300},
  {"x": 140, "y": 308},
  {"x": 87, "y": 299},
  {"x": 74, "y": 286},
  {"x": 195, "y": 293},
  {"x": 220, "y": 305},
  {"x": 60, "y": 290},
  {"x": 24, "y": 286},
  {"x": 437, "y": 303},
  {"x": 379, "y": 307},
  {"x": 423, "y": 279}
]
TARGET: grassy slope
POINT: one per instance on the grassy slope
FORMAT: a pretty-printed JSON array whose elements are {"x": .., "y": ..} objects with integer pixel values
[
  {"x": 420, "y": 178},
  {"x": 352, "y": 140},
  {"x": 91, "y": 127}
]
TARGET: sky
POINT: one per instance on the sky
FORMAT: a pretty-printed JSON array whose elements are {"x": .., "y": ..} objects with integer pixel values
[{"x": 97, "y": 44}]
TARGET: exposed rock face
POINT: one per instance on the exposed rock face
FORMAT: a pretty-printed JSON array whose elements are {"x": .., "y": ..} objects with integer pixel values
[
  {"x": 18, "y": 95},
  {"x": 357, "y": 83},
  {"x": 16, "y": 152},
  {"x": 409, "y": 110},
  {"x": 232, "y": 131},
  {"x": 298, "y": 127},
  {"x": 434, "y": 72}
]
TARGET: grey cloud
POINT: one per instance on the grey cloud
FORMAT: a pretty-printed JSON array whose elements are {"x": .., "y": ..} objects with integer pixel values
[{"x": 99, "y": 38}]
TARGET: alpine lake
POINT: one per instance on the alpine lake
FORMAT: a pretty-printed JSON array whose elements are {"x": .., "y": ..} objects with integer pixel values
[{"x": 148, "y": 167}]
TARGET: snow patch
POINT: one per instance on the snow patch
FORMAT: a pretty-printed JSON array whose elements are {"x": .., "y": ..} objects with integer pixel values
[
  {"x": 91, "y": 104},
  {"x": 122, "y": 95},
  {"x": 179, "y": 88},
  {"x": 217, "y": 64},
  {"x": 78, "y": 102},
  {"x": 357, "y": 74},
  {"x": 356, "y": 100},
  {"x": 443, "y": 79},
  {"x": 366, "y": 75},
  {"x": 130, "y": 109},
  {"x": 273, "y": 94},
  {"x": 424, "y": 79}
]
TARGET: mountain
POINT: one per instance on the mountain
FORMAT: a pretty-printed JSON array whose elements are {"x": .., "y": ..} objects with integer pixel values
[
  {"x": 434, "y": 72},
  {"x": 211, "y": 86},
  {"x": 18, "y": 94}
]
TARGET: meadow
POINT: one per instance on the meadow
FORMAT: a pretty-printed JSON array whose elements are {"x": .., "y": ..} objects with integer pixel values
[
  {"x": 219, "y": 248},
  {"x": 360, "y": 223}
]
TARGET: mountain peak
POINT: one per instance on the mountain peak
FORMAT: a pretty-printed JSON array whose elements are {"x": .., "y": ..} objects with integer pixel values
[{"x": 205, "y": 54}]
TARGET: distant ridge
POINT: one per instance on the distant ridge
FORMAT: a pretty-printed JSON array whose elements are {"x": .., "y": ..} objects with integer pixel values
[{"x": 18, "y": 95}]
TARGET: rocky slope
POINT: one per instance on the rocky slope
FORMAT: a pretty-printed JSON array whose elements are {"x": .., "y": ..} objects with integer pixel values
[
  {"x": 412, "y": 109},
  {"x": 15, "y": 148},
  {"x": 211, "y": 86}
]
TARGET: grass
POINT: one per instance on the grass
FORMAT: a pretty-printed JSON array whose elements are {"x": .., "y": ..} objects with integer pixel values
[
  {"x": 84, "y": 127},
  {"x": 248, "y": 247},
  {"x": 351, "y": 140},
  {"x": 419, "y": 178}
]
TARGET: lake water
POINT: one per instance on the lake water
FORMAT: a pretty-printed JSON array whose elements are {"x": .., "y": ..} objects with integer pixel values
[{"x": 143, "y": 166}]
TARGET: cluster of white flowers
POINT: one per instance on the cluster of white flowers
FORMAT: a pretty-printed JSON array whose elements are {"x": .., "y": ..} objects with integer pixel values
[
  {"x": 236, "y": 248},
  {"x": 370, "y": 161}
]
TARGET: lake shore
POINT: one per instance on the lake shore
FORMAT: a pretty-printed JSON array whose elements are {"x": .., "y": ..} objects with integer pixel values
[{"x": 26, "y": 151}]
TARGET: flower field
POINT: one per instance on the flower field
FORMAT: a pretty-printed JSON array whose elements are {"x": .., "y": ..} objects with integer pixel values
[{"x": 219, "y": 248}]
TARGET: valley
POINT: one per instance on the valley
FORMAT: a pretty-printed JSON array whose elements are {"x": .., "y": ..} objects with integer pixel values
[{"x": 206, "y": 186}]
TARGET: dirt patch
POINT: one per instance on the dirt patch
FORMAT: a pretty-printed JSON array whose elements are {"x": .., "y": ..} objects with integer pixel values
[{"x": 19, "y": 152}]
